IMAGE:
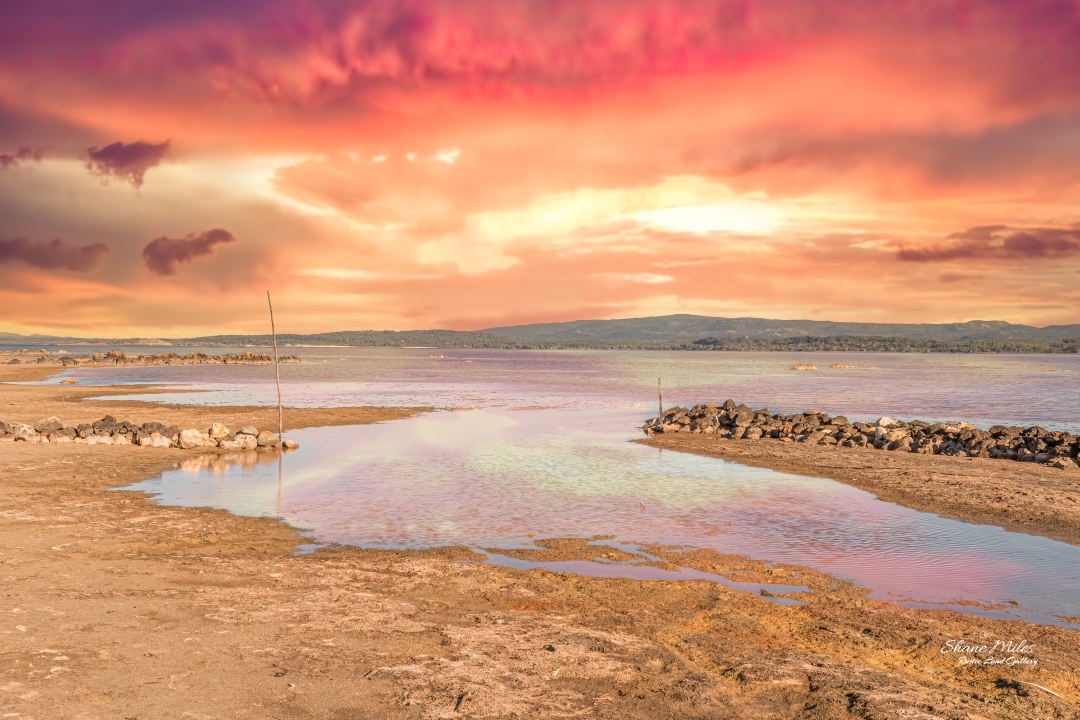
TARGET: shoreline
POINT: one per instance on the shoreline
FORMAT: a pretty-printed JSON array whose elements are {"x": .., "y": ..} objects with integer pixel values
[
  {"x": 117, "y": 607},
  {"x": 1019, "y": 497}
]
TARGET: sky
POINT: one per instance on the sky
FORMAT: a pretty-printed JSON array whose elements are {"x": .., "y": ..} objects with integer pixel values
[{"x": 408, "y": 164}]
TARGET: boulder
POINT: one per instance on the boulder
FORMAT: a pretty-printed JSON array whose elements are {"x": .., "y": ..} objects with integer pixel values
[
  {"x": 7, "y": 437},
  {"x": 3, "y": 427},
  {"x": 24, "y": 433},
  {"x": 885, "y": 422},
  {"x": 240, "y": 442},
  {"x": 289, "y": 445},
  {"x": 120, "y": 439},
  {"x": 252, "y": 430},
  {"x": 190, "y": 439},
  {"x": 218, "y": 431},
  {"x": 1060, "y": 463},
  {"x": 267, "y": 439},
  {"x": 48, "y": 425}
]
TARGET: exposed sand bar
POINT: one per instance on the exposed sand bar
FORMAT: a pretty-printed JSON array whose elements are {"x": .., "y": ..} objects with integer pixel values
[
  {"x": 1024, "y": 497},
  {"x": 116, "y": 607}
]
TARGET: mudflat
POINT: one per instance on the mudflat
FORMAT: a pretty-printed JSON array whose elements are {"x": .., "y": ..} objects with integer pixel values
[
  {"x": 115, "y": 607},
  {"x": 1024, "y": 497}
]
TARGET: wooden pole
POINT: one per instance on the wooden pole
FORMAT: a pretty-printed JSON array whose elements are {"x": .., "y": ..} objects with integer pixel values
[
  {"x": 660, "y": 394},
  {"x": 277, "y": 371}
]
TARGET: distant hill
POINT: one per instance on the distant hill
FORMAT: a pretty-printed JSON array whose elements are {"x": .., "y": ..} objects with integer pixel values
[
  {"x": 670, "y": 332},
  {"x": 671, "y": 328}
]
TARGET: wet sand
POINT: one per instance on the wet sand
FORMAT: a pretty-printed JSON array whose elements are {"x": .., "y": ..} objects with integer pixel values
[
  {"x": 1023, "y": 497},
  {"x": 115, "y": 607}
]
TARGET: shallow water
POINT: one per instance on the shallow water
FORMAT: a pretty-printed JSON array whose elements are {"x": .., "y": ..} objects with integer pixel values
[
  {"x": 986, "y": 389},
  {"x": 544, "y": 452},
  {"x": 501, "y": 478}
]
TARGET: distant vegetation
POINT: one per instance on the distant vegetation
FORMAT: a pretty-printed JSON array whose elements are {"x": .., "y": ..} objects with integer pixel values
[{"x": 672, "y": 332}]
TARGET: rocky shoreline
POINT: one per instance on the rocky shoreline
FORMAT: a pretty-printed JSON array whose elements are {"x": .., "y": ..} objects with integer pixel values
[
  {"x": 118, "y": 357},
  {"x": 1031, "y": 444},
  {"x": 108, "y": 431}
]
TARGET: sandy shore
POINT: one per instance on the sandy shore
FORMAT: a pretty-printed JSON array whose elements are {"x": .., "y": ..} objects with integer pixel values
[
  {"x": 1024, "y": 497},
  {"x": 115, "y": 607}
]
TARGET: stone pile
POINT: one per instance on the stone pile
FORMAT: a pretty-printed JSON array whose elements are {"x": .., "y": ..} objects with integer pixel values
[
  {"x": 107, "y": 431},
  {"x": 1031, "y": 444},
  {"x": 118, "y": 357}
]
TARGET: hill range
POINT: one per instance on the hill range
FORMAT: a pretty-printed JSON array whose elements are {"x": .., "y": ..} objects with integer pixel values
[{"x": 669, "y": 332}]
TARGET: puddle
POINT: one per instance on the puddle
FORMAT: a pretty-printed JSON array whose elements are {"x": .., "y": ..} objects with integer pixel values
[
  {"x": 633, "y": 571},
  {"x": 501, "y": 479}
]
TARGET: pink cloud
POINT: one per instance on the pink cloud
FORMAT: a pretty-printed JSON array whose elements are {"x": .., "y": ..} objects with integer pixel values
[
  {"x": 53, "y": 255},
  {"x": 163, "y": 256},
  {"x": 127, "y": 162},
  {"x": 19, "y": 157},
  {"x": 993, "y": 242}
]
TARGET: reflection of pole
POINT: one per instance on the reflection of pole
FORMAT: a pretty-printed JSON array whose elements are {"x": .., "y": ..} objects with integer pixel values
[
  {"x": 660, "y": 394},
  {"x": 277, "y": 370},
  {"x": 280, "y": 457}
]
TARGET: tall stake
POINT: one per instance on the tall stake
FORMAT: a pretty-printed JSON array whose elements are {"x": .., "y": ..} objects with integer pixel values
[
  {"x": 660, "y": 394},
  {"x": 277, "y": 370}
]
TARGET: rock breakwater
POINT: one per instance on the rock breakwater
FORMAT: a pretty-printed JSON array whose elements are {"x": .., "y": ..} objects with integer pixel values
[
  {"x": 1030, "y": 444},
  {"x": 107, "y": 431},
  {"x": 118, "y": 357}
]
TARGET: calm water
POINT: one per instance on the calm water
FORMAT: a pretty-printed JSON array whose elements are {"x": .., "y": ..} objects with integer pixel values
[
  {"x": 987, "y": 389},
  {"x": 544, "y": 451}
]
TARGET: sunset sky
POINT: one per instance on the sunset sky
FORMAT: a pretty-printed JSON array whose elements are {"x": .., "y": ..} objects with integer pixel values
[{"x": 401, "y": 164}]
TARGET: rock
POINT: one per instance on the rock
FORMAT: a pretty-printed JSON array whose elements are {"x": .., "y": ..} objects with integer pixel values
[
  {"x": 240, "y": 442},
  {"x": 3, "y": 427},
  {"x": 120, "y": 439},
  {"x": 895, "y": 435},
  {"x": 190, "y": 439},
  {"x": 24, "y": 433},
  {"x": 7, "y": 437},
  {"x": 1041, "y": 457},
  {"x": 218, "y": 431},
  {"x": 885, "y": 422},
  {"x": 839, "y": 420},
  {"x": 69, "y": 381},
  {"x": 1060, "y": 463},
  {"x": 752, "y": 433},
  {"x": 269, "y": 439},
  {"x": 48, "y": 425},
  {"x": 289, "y": 445},
  {"x": 252, "y": 430}
]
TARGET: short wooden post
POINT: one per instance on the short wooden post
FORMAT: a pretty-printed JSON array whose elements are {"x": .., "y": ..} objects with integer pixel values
[{"x": 660, "y": 394}]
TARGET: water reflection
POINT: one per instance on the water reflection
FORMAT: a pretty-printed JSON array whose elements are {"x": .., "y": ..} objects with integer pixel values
[{"x": 498, "y": 479}]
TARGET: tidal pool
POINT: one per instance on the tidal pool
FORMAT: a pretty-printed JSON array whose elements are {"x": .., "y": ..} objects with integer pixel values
[{"x": 501, "y": 478}]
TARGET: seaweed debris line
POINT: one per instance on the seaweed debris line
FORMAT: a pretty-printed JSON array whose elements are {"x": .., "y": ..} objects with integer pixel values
[{"x": 1031, "y": 444}]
